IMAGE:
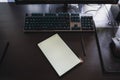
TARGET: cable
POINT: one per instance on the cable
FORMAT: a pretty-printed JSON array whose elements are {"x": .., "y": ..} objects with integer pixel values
[
  {"x": 111, "y": 22},
  {"x": 93, "y": 10},
  {"x": 109, "y": 16},
  {"x": 89, "y": 11}
]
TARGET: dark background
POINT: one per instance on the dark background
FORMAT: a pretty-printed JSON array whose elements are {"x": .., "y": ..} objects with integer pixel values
[{"x": 24, "y": 60}]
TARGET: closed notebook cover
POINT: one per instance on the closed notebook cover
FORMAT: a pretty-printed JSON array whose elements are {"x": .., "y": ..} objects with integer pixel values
[{"x": 60, "y": 56}]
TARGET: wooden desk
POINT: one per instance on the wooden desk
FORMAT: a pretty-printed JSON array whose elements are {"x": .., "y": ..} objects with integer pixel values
[{"x": 25, "y": 61}]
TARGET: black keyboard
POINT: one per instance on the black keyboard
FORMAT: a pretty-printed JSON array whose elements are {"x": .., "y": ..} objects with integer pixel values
[{"x": 39, "y": 22}]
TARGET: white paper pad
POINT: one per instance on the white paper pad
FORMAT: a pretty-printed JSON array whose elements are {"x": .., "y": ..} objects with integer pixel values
[{"x": 60, "y": 56}]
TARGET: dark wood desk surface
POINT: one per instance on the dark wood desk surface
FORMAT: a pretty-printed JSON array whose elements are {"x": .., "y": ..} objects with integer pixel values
[{"x": 25, "y": 61}]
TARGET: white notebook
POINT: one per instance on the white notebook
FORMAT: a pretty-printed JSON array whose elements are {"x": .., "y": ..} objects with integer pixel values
[{"x": 60, "y": 56}]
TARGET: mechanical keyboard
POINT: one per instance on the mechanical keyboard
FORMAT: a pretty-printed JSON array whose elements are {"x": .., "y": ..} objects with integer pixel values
[{"x": 40, "y": 22}]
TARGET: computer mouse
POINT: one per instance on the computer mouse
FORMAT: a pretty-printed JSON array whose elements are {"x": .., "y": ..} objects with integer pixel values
[{"x": 115, "y": 47}]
